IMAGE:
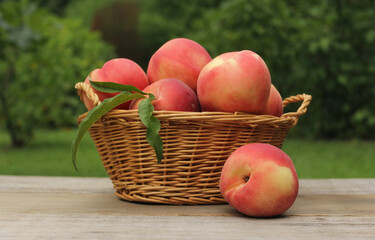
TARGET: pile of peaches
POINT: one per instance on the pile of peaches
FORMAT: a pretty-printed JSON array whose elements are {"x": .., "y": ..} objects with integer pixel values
[
  {"x": 257, "y": 179},
  {"x": 183, "y": 77}
]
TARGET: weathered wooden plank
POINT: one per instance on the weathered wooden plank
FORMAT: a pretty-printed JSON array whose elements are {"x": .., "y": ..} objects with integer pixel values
[
  {"x": 78, "y": 184},
  {"x": 54, "y": 184},
  {"x": 109, "y": 204},
  {"x": 337, "y": 186},
  {"x": 86, "y": 208},
  {"x": 83, "y": 226},
  {"x": 99, "y": 204}
]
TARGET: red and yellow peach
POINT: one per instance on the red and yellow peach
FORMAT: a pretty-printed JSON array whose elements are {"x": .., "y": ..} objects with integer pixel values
[
  {"x": 170, "y": 95},
  {"x": 178, "y": 58},
  {"x": 275, "y": 103},
  {"x": 234, "y": 82},
  {"x": 259, "y": 180},
  {"x": 119, "y": 70}
]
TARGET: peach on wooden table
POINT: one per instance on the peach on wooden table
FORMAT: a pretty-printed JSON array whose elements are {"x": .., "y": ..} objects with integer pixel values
[{"x": 259, "y": 180}]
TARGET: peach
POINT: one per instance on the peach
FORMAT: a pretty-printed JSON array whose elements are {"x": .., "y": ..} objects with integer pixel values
[
  {"x": 119, "y": 70},
  {"x": 259, "y": 180},
  {"x": 234, "y": 82},
  {"x": 178, "y": 58},
  {"x": 170, "y": 95},
  {"x": 275, "y": 103}
]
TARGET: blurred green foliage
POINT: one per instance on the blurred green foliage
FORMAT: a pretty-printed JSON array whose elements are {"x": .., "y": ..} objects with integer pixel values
[
  {"x": 162, "y": 20},
  {"x": 118, "y": 23},
  {"x": 323, "y": 48},
  {"x": 42, "y": 57},
  {"x": 84, "y": 10}
]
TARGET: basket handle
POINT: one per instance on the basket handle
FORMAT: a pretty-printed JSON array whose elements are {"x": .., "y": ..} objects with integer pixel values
[
  {"x": 304, "y": 98},
  {"x": 85, "y": 89}
]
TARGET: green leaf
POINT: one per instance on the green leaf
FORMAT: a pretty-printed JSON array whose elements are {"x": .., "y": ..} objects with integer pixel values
[
  {"x": 112, "y": 87},
  {"x": 145, "y": 110},
  {"x": 96, "y": 113}
]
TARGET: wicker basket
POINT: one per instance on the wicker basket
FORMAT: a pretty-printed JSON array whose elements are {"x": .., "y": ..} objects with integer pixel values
[{"x": 196, "y": 145}]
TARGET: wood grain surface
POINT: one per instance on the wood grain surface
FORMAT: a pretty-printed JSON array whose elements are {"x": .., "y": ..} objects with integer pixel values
[{"x": 86, "y": 208}]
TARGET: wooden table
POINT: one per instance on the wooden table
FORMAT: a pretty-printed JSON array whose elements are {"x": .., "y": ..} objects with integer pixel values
[{"x": 86, "y": 208}]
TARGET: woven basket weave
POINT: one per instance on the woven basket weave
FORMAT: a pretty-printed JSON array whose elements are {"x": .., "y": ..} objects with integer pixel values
[{"x": 196, "y": 145}]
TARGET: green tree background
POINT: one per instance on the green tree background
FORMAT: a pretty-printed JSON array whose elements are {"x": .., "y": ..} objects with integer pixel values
[
  {"x": 323, "y": 48},
  {"x": 42, "y": 56}
]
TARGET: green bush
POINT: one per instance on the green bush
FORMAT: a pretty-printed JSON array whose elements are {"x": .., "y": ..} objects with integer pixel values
[
  {"x": 117, "y": 21},
  {"x": 323, "y": 48},
  {"x": 42, "y": 57},
  {"x": 84, "y": 10},
  {"x": 163, "y": 20}
]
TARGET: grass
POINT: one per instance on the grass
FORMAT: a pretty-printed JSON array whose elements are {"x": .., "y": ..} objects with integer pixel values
[
  {"x": 49, "y": 155},
  {"x": 332, "y": 159}
]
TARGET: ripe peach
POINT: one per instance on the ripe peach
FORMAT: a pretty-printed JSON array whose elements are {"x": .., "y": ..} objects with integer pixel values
[
  {"x": 275, "y": 103},
  {"x": 234, "y": 82},
  {"x": 178, "y": 58},
  {"x": 259, "y": 180},
  {"x": 170, "y": 95},
  {"x": 119, "y": 70}
]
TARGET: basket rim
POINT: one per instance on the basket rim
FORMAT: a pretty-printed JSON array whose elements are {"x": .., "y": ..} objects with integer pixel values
[
  {"x": 199, "y": 116},
  {"x": 291, "y": 117}
]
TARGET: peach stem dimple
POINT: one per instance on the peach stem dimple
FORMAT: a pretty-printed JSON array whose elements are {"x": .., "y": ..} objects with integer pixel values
[{"x": 246, "y": 178}]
